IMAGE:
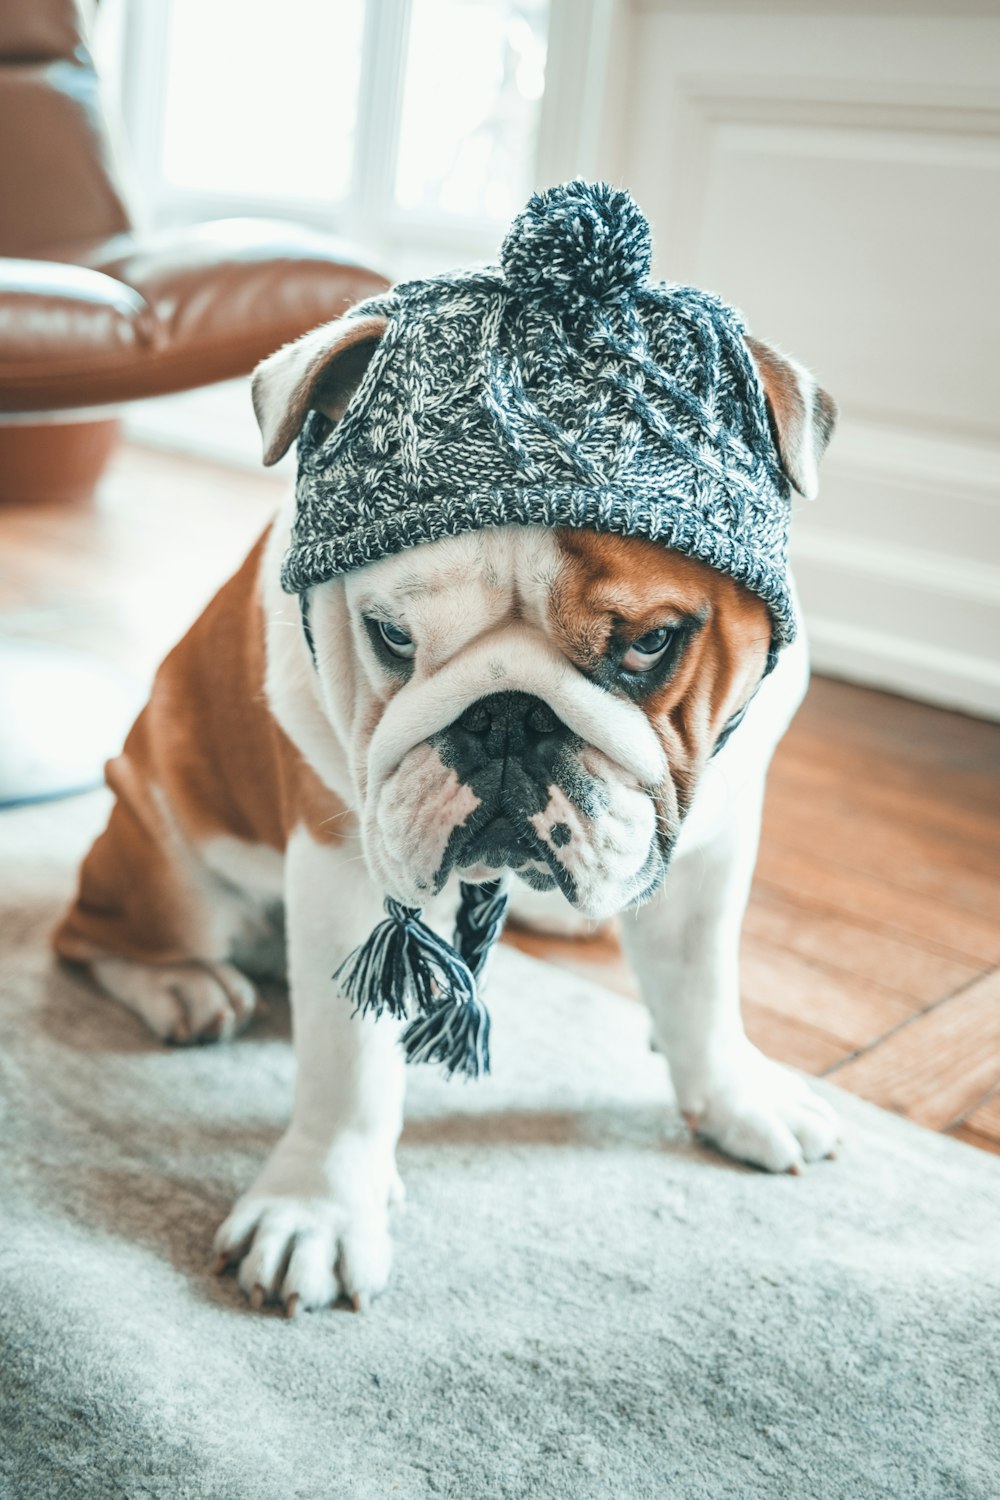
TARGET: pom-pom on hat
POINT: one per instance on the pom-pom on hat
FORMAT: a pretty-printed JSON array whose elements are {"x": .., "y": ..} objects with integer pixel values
[
  {"x": 578, "y": 243},
  {"x": 560, "y": 387}
]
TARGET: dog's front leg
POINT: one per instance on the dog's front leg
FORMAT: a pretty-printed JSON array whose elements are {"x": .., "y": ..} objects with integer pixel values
[
  {"x": 315, "y": 1222},
  {"x": 684, "y": 947}
]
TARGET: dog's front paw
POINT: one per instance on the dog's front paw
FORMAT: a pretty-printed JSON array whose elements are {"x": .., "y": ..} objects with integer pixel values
[
  {"x": 760, "y": 1112},
  {"x": 303, "y": 1239}
]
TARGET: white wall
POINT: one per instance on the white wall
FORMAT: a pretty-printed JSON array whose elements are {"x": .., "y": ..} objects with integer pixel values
[{"x": 834, "y": 170}]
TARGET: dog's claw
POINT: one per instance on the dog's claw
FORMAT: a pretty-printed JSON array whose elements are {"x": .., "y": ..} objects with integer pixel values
[
  {"x": 257, "y": 1297},
  {"x": 292, "y": 1306},
  {"x": 361, "y": 1302},
  {"x": 797, "y": 1169},
  {"x": 220, "y": 1263}
]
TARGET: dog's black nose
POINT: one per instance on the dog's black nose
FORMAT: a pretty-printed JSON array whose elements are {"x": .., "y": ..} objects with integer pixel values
[
  {"x": 508, "y": 721},
  {"x": 509, "y": 749}
]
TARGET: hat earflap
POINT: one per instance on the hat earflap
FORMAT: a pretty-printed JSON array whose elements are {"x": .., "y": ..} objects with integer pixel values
[{"x": 404, "y": 966}]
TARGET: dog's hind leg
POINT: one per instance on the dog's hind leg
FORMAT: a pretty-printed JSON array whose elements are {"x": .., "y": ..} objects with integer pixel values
[
  {"x": 189, "y": 1002},
  {"x": 154, "y": 925}
]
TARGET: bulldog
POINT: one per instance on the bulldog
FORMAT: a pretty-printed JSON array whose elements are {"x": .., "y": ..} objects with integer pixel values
[{"x": 592, "y": 712}]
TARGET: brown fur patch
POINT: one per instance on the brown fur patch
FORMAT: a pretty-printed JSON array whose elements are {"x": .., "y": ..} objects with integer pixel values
[
  {"x": 204, "y": 758},
  {"x": 627, "y": 586}
]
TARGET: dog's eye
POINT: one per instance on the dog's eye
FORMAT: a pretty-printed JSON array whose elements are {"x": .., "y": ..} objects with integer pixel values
[
  {"x": 397, "y": 641},
  {"x": 644, "y": 653}
]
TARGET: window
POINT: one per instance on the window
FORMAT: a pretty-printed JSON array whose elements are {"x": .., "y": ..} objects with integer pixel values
[
  {"x": 408, "y": 125},
  {"x": 260, "y": 99},
  {"x": 473, "y": 82}
]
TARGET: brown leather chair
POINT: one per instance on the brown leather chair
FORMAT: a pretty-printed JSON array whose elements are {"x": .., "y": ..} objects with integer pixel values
[{"x": 94, "y": 313}]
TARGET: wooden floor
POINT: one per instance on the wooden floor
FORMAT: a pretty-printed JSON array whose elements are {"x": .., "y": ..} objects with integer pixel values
[{"x": 872, "y": 943}]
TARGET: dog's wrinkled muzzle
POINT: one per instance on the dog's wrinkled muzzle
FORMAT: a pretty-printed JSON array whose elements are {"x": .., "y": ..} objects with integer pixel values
[
  {"x": 510, "y": 748},
  {"x": 545, "y": 774}
]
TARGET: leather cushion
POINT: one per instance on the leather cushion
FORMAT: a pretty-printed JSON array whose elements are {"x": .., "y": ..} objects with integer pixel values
[
  {"x": 60, "y": 322},
  {"x": 214, "y": 300}
]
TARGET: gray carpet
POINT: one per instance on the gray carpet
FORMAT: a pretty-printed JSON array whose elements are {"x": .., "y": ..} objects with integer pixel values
[{"x": 584, "y": 1304}]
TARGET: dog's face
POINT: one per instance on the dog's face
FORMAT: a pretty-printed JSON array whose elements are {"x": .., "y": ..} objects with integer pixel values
[
  {"x": 537, "y": 701},
  {"x": 518, "y": 698}
]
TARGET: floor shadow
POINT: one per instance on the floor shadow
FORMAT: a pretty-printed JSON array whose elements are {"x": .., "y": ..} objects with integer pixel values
[
  {"x": 179, "y": 1180},
  {"x": 172, "y": 1211},
  {"x": 593, "y": 1128},
  {"x": 171, "y": 1214},
  {"x": 653, "y": 1128}
]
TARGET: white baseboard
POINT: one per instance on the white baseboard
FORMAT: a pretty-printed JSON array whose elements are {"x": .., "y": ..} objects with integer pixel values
[
  {"x": 898, "y": 565},
  {"x": 875, "y": 658}
]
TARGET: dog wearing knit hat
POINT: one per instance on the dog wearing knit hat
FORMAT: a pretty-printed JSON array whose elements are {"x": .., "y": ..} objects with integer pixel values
[{"x": 524, "y": 625}]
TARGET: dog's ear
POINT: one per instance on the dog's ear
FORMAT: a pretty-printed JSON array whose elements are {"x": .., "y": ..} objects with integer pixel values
[
  {"x": 322, "y": 370},
  {"x": 802, "y": 414}
]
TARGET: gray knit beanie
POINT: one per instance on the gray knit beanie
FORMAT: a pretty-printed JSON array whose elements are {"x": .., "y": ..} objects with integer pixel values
[{"x": 559, "y": 388}]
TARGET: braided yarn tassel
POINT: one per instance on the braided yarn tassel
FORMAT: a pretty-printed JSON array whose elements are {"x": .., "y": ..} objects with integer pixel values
[
  {"x": 402, "y": 964},
  {"x": 456, "y": 1032},
  {"x": 479, "y": 921},
  {"x": 405, "y": 966}
]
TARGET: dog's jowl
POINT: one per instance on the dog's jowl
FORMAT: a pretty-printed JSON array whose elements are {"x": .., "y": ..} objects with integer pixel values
[{"x": 524, "y": 629}]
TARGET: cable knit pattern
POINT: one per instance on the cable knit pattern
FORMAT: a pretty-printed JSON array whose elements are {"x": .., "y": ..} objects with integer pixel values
[{"x": 560, "y": 388}]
